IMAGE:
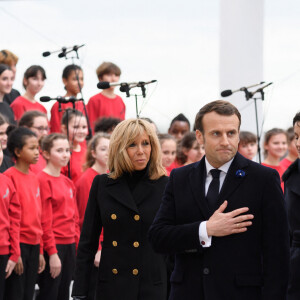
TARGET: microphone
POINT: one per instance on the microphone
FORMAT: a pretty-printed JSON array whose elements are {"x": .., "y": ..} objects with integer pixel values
[
  {"x": 106, "y": 85},
  {"x": 60, "y": 99},
  {"x": 227, "y": 93},
  {"x": 47, "y": 53}
]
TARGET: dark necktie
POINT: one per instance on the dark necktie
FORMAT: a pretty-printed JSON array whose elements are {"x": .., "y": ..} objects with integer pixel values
[{"x": 213, "y": 190}]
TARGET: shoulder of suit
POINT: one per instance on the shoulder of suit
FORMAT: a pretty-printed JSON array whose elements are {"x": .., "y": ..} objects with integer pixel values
[{"x": 294, "y": 168}]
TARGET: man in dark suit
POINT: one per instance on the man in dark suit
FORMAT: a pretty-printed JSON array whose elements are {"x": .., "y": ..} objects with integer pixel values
[{"x": 224, "y": 219}]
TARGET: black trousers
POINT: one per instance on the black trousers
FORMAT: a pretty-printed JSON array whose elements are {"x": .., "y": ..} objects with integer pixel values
[
  {"x": 58, "y": 288},
  {"x": 21, "y": 287},
  {"x": 3, "y": 263}
]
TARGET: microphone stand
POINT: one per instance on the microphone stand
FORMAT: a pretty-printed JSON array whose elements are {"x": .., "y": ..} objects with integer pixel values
[
  {"x": 249, "y": 95},
  {"x": 75, "y": 49},
  {"x": 126, "y": 88}
]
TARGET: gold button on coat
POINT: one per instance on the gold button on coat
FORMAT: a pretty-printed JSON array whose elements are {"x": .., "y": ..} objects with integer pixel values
[
  {"x": 113, "y": 216},
  {"x": 136, "y": 244},
  {"x": 115, "y": 271},
  {"x": 115, "y": 244},
  {"x": 135, "y": 271},
  {"x": 136, "y": 217}
]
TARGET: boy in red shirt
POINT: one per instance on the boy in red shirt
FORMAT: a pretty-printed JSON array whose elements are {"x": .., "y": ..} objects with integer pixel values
[{"x": 106, "y": 103}]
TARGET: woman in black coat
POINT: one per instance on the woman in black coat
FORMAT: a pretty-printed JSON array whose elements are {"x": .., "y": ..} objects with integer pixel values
[
  {"x": 291, "y": 180},
  {"x": 123, "y": 204}
]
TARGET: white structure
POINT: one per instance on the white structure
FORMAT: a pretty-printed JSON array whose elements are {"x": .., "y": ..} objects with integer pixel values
[{"x": 241, "y": 54}]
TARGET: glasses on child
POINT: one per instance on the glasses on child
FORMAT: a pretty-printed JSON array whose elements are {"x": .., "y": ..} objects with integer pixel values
[{"x": 41, "y": 128}]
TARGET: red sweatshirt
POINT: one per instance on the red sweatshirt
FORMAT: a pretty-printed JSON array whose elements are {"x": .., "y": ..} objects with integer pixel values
[
  {"x": 280, "y": 170},
  {"x": 83, "y": 186},
  {"x": 39, "y": 166},
  {"x": 285, "y": 163},
  {"x": 76, "y": 161},
  {"x": 56, "y": 116},
  {"x": 10, "y": 218},
  {"x": 21, "y": 105},
  {"x": 60, "y": 224},
  {"x": 102, "y": 106},
  {"x": 28, "y": 191}
]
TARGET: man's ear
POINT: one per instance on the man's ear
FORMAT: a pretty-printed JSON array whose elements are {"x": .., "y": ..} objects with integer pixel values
[{"x": 199, "y": 137}]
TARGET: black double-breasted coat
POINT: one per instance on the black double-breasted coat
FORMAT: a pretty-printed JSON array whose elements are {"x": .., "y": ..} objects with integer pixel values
[{"x": 129, "y": 268}]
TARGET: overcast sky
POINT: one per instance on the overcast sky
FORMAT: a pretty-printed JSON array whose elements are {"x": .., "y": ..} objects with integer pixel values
[{"x": 175, "y": 42}]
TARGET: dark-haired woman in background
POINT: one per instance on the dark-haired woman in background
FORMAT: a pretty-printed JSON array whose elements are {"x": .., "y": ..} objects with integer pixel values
[
  {"x": 7, "y": 160},
  {"x": 291, "y": 179},
  {"x": 6, "y": 82},
  {"x": 124, "y": 204},
  {"x": 69, "y": 78},
  {"x": 33, "y": 82}
]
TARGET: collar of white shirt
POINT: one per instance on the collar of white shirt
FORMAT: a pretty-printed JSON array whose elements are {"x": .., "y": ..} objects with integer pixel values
[{"x": 223, "y": 168}]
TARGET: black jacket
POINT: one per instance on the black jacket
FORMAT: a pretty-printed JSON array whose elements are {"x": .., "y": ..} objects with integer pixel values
[
  {"x": 248, "y": 266},
  {"x": 129, "y": 268},
  {"x": 291, "y": 179}
]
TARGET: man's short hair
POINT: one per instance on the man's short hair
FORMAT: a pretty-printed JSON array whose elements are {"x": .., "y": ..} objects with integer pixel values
[
  {"x": 296, "y": 119},
  {"x": 221, "y": 107},
  {"x": 247, "y": 137}
]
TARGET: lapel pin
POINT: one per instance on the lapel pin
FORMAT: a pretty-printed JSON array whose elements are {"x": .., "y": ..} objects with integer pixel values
[{"x": 240, "y": 173}]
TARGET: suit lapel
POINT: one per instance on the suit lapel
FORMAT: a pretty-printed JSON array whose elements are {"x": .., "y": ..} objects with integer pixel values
[
  {"x": 197, "y": 179},
  {"x": 119, "y": 190},
  {"x": 232, "y": 179}
]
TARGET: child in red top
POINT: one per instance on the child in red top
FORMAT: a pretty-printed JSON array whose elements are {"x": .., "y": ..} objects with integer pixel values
[
  {"x": 96, "y": 162},
  {"x": 38, "y": 123},
  {"x": 33, "y": 82},
  {"x": 248, "y": 144},
  {"x": 23, "y": 145},
  {"x": 74, "y": 125},
  {"x": 106, "y": 103},
  {"x": 292, "y": 150},
  {"x": 10, "y": 218},
  {"x": 71, "y": 86},
  {"x": 168, "y": 150},
  {"x": 179, "y": 126},
  {"x": 60, "y": 225},
  {"x": 275, "y": 145}
]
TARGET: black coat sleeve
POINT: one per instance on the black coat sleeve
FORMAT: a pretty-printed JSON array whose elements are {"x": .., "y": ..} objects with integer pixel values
[
  {"x": 89, "y": 241},
  {"x": 165, "y": 234}
]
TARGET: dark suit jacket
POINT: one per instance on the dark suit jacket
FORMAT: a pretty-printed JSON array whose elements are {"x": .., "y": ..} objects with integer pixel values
[
  {"x": 129, "y": 268},
  {"x": 291, "y": 180},
  {"x": 251, "y": 265}
]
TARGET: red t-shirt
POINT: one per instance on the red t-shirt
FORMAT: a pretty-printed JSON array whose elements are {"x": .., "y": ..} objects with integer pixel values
[
  {"x": 174, "y": 165},
  {"x": 279, "y": 169},
  {"x": 28, "y": 191},
  {"x": 60, "y": 221},
  {"x": 285, "y": 163},
  {"x": 83, "y": 186},
  {"x": 10, "y": 218},
  {"x": 39, "y": 166},
  {"x": 102, "y": 106},
  {"x": 21, "y": 105},
  {"x": 77, "y": 159},
  {"x": 56, "y": 116}
]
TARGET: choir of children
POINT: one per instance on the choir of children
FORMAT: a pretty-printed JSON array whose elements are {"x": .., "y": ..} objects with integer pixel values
[{"x": 41, "y": 209}]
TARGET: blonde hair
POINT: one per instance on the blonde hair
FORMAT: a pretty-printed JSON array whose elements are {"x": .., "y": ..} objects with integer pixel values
[
  {"x": 125, "y": 134},
  {"x": 92, "y": 145}
]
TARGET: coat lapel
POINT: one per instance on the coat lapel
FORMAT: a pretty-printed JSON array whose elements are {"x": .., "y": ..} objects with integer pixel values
[
  {"x": 197, "y": 179},
  {"x": 232, "y": 179},
  {"x": 142, "y": 190},
  {"x": 119, "y": 190}
]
